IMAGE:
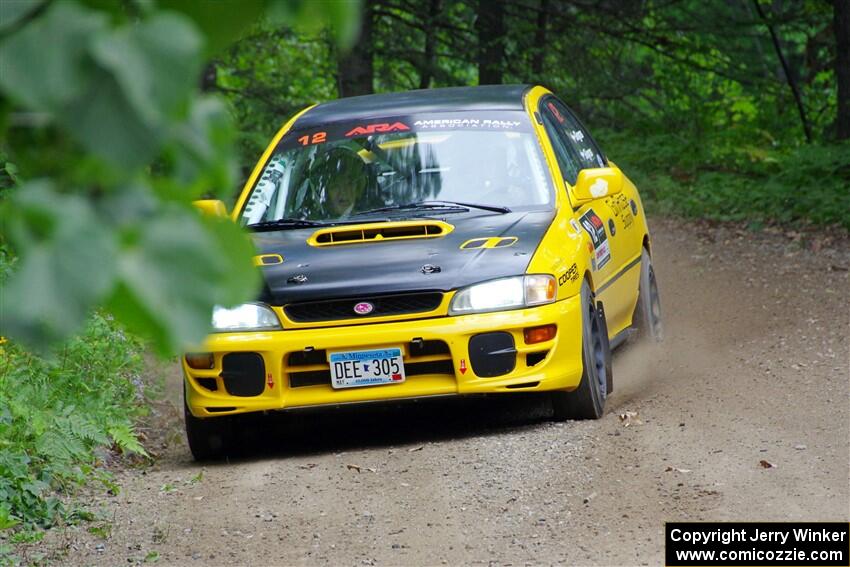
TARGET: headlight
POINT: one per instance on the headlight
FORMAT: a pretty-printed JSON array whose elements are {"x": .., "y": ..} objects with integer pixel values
[
  {"x": 245, "y": 317},
  {"x": 506, "y": 293}
]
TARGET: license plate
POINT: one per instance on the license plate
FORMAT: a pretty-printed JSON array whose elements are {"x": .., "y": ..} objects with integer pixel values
[{"x": 366, "y": 367}]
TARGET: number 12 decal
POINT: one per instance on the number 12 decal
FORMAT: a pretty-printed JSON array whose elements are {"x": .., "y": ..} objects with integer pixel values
[{"x": 316, "y": 138}]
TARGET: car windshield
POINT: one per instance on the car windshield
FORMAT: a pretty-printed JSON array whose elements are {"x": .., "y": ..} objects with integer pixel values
[{"x": 397, "y": 166}]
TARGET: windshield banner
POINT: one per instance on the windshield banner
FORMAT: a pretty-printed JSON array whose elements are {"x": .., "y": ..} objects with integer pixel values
[{"x": 500, "y": 121}]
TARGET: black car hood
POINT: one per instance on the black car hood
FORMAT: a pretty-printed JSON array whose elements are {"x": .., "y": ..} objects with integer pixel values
[{"x": 310, "y": 273}]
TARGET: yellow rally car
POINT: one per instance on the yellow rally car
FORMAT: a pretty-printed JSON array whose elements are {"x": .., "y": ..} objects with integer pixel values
[{"x": 440, "y": 242}]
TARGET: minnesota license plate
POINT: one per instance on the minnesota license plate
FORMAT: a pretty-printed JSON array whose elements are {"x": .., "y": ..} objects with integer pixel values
[{"x": 366, "y": 367}]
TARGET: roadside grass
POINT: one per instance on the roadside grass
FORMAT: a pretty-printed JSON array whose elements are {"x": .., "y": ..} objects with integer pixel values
[
  {"x": 62, "y": 417},
  {"x": 721, "y": 178}
]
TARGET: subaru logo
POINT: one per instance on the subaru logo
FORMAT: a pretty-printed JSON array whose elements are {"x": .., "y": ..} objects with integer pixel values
[{"x": 364, "y": 308}]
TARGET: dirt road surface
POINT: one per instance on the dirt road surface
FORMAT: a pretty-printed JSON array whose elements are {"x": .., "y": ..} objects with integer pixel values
[{"x": 754, "y": 373}]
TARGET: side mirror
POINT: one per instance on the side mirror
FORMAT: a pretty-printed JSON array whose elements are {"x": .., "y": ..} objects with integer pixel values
[
  {"x": 597, "y": 183},
  {"x": 211, "y": 207}
]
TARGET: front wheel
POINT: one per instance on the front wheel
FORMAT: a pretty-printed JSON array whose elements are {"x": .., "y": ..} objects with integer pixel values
[
  {"x": 210, "y": 438},
  {"x": 588, "y": 400}
]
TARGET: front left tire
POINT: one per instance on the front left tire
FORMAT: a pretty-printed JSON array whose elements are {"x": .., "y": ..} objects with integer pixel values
[{"x": 588, "y": 400}]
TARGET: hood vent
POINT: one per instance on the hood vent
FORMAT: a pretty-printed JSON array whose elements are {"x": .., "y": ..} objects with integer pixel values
[{"x": 378, "y": 232}]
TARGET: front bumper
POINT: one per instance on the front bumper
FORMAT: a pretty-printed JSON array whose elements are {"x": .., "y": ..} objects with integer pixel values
[{"x": 294, "y": 379}]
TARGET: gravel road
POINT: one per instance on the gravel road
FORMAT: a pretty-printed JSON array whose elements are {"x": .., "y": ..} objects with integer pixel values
[{"x": 741, "y": 414}]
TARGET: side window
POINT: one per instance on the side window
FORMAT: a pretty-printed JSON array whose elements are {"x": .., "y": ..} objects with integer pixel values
[
  {"x": 567, "y": 159},
  {"x": 588, "y": 152}
]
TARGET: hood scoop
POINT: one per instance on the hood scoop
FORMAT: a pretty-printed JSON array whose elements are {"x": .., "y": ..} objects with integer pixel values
[{"x": 378, "y": 232}]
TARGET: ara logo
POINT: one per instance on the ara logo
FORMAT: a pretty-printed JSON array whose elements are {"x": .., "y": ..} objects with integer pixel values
[{"x": 377, "y": 128}]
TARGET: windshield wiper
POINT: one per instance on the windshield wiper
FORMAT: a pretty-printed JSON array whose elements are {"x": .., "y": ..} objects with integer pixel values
[
  {"x": 449, "y": 206},
  {"x": 494, "y": 208},
  {"x": 285, "y": 223},
  {"x": 410, "y": 206}
]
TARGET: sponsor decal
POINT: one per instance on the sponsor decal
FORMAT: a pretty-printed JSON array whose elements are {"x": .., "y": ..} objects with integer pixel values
[
  {"x": 576, "y": 226},
  {"x": 587, "y": 154},
  {"x": 462, "y": 366},
  {"x": 594, "y": 227},
  {"x": 619, "y": 205},
  {"x": 571, "y": 275},
  {"x": 381, "y": 128},
  {"x": 270, "y": 380},
  {"x": 599, "y": 188},
  {"x": 363, "y": 308},
  {"x": 576, "y": 135},
  {"x": 297, "y": 279},
  {"x": 430, "y": 269}
]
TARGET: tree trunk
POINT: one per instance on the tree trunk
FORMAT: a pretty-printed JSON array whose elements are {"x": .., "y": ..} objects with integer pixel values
[
  {"x": 789, "y": 77},
  {"x": 209, "y": 77},
  {"x": 355, "y": 68},
  {"x": 426, "y": 72},
  {"x": 540, "y": 40},
  {"x": 842, "y": 66},
  {"x": 491, "y": 41}
]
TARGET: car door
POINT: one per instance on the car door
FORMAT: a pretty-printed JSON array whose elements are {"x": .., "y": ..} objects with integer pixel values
[{"x": 607, "y": 221}]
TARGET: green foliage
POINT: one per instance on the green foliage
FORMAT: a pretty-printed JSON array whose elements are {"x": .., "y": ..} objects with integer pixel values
[
  {"x": 270, "y": 75},
  {"x": 58, "y": 415},
  {"x": 116, "y": 143},
  {"x": 724, "y": 181}
]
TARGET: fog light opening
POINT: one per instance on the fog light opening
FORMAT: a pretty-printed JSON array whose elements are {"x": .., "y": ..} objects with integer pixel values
[
  {"x": 540, "y": 334},
  {"x": 200, "y": 360}
]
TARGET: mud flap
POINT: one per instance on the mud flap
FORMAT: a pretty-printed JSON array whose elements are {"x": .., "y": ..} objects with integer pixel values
[{"x": 609, "y": 370}]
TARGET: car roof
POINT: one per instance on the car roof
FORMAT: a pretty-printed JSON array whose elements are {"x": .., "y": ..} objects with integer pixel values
[{"x": 485, "y": 97}]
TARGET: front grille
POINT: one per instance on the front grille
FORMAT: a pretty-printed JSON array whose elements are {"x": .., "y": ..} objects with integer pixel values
[
  {"x": 335, "y": 309},
  {"x": 309, "y": 378},
  {"x": 310, "y": 368},
  {"x": 431, "y": 367}
]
